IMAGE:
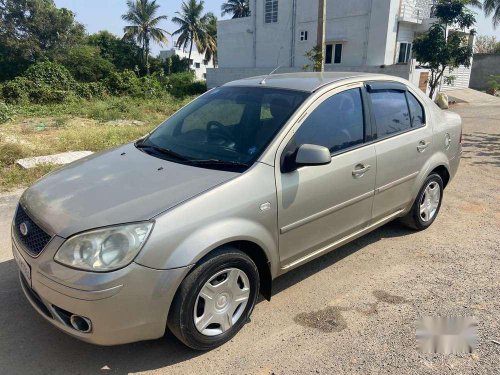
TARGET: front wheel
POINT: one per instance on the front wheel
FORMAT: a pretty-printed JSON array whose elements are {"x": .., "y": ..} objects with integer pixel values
[
  {"x": 215, "y": 300},
  {"x": 427, "y": 204}
]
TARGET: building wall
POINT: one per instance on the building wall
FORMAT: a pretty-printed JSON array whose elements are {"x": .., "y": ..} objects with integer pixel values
[
  {"x": 483, "y": 67},
  {"x": 198, "y": 58},
  {"x": 235, "y": 40}
]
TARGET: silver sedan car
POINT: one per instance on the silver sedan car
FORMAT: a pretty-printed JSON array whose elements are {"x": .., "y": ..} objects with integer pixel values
[{"x": 185, "y": 227}]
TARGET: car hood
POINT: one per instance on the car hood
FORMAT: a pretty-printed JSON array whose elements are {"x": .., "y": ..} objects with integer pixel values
[{"x": 118, "y": 186}]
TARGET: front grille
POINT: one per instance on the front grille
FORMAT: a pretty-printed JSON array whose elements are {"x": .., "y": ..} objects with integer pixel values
[{"x": 36, "y": 239}]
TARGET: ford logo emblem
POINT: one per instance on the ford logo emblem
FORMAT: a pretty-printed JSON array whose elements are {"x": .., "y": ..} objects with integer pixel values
[{"x": 23, "y": 228}]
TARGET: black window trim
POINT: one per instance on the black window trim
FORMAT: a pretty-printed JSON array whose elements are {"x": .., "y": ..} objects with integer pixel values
[{"x": 374, "y": 86}]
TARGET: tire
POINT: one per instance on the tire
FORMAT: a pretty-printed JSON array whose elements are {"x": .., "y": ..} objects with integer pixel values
[
  {"x": 230, "y": 273},
  {"x": 415, "y": 218}
]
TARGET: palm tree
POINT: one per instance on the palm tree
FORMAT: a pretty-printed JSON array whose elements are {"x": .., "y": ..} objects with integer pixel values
[
  {"x": 144, "y": 25},
  {"x": 211, "y": 38},
  {"x": 492, "y": 7},
  {"x": 238, "y": 8},
  {"x": 191, "y": 26}
]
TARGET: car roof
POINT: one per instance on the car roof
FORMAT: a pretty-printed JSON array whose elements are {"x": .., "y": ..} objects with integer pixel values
[{"x": 303, "y": 81}]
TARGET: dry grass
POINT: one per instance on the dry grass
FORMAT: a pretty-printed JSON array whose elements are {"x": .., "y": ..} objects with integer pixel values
[{"x": 93, "y": 126}]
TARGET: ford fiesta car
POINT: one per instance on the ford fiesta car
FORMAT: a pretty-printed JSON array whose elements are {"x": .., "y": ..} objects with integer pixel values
[{"x": 185, "y": 227}]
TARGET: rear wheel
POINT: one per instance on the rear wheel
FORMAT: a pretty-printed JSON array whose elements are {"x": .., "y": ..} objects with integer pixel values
[
  {"x": 427, "y": 204},
  {"x": 215, "y": 300}
]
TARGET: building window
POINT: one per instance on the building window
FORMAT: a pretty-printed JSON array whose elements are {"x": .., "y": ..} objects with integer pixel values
[
  {"x": 271, "y": 11},
  {"x": 404, "y": 52},
  {"x": 303, "y": 36},
  {"x": 333, "y": 53},
  {"x": 197, "y": 65},
  {"x": 205, "y": 62}
]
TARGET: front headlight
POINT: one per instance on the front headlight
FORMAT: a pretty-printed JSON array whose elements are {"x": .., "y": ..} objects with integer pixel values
[{"x": 104, "y": 249}]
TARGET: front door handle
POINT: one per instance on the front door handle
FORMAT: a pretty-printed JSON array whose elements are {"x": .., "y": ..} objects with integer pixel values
[
  {"x": 360, "y": 169},
  {"x": 422, "y": 145}
]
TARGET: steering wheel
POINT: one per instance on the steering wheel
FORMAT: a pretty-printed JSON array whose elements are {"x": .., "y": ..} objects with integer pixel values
[{"x": 218, "y": 132}]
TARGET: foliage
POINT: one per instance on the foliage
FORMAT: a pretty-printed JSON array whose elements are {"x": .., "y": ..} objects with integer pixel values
[
  {"x": 315, "y": 55},
  {"x": 494, "y": 84},
  {"x": 238, "y": 8},
  {"x": 10, "y": 152},
  {"x": 437, "y": 50},
  {"x": 6, "y": 113},
  {"x": 192, "y": 29},
  {"x": 144, "y": 26},
  {"x": 15, "y": 91},
  {"x": 30, "y": 30},
  {"x": 123, "y": 54},
  {"x": 183, "y": 84},
  {"x": 486, "y": 44},
  {"x": 52, "y": 74},
  {"x": 91, "y": 90},
  {"x": 85, "y": 63},
  {"x": 492, "y": 7},
  {"x": 211, "y": 38},
  {"x": 175, "y": 64},
  {"x": 123, "y": 83}
]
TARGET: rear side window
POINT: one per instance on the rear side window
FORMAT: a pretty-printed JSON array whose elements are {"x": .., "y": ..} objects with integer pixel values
[
  {"x": 391, "y": 113},
  {"x": 416, "y": 111},
  {"x": 337, "y": 123}
]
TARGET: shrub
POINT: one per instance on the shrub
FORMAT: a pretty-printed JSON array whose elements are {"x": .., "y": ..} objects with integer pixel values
[
  {"x": 91, "y": 90},
  {"x": 86, "y": 64},
  {"x": 54, "y": 75},
  {"x": 183, "y": 84},
  {"x": 10, "y": 152},
  {"x": 151, "y": 87},
  {"x": 123, "y": 83},
  {"x": 16, "y": 91},
  {"x": 45, "y": 94},
  {"x": 6, "y": 113}
]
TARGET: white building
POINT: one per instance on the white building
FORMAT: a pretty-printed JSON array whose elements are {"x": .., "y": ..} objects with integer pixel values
[
  {"x": 364, "y": 35},
  {"x": 198, "y": 62}
]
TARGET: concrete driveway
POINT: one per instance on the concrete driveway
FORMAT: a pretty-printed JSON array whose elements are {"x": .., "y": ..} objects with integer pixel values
[{"x": 350, "y": 312}]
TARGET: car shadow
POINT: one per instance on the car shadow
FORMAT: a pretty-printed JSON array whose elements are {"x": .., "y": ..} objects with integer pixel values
[{"x": 29, "y": 344}]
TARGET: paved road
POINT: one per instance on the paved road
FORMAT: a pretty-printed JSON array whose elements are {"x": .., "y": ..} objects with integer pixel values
[{"x": 350, "y": 312}]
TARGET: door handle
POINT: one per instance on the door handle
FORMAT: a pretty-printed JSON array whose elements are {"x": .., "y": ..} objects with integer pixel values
[
  {"x": 422, "y": 145},
  {"x": 360, "y": 169}
]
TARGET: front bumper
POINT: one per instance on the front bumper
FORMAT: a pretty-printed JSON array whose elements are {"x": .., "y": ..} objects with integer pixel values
[{"x": 123, "y": 306}]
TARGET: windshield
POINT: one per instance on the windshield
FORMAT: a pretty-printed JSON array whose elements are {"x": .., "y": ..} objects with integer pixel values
[{"x": 228, "y": 125}]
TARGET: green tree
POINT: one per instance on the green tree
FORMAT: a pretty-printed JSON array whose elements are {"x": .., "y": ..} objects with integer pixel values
[
  {"x": 192, "y": 29},
  {"x": 175, "y": 64},
  {"x": 492, "y": 7},
  {"x": 144, "y": 28},
  {"x": 439, "y": 49},
  {"x": 238, "y": 8},
  {"x": 123, "y": 54},
  {"x": 30, "y": 30},
  {"x": 210, "y": 43}
]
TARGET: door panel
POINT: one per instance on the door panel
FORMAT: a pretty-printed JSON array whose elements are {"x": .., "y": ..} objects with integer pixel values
[
  {"x": 403, "y": 152},
  {"x": 319, "y": 205}
]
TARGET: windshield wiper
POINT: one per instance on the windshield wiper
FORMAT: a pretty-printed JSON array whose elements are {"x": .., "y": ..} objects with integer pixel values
[
  {"x": 219, "y": 162},
  {"x": 161, "y": 150}
]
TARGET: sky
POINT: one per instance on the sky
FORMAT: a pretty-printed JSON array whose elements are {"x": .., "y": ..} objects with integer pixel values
[{"x": 106, "y": 15}]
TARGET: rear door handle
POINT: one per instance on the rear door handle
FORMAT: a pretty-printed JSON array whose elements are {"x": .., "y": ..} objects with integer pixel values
[
  {"x": 422, "y": 145},
  {"x": 360, "y": 169}
]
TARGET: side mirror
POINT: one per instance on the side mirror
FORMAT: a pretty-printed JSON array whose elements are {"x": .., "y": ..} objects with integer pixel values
[{"x": 308, "y": 155}]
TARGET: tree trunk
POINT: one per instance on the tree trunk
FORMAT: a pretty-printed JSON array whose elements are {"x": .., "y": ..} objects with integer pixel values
[
  {"x": 147, "y": 56},
  {"x": 190, "y": 51}
]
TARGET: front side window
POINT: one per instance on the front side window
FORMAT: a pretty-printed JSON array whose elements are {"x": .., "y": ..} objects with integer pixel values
[
  {"x": 227, "y": 124},
  {"x": 390, "y": 111},
  {"x": 271, "y": 11},
  {"x": 337, "y": 123}
]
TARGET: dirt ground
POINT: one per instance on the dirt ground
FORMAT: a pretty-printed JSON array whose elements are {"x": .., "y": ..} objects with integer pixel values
[{"x": 353, "y": 311}]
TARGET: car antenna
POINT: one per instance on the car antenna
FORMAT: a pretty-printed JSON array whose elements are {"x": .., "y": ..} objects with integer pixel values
[{"x": 263, "y": 82}]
